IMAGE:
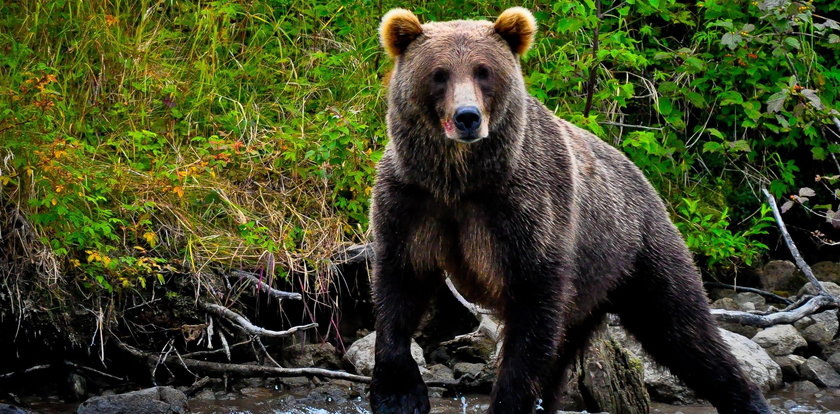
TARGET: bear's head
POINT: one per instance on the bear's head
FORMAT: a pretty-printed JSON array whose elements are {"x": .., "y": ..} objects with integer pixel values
[{"x": 457, "y": 80}]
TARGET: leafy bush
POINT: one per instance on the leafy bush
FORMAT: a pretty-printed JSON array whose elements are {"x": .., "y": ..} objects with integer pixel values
[{"x": 141, "y": 135}]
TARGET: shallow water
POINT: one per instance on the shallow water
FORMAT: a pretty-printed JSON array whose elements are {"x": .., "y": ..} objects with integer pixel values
[{"x": 275, "y": 402}]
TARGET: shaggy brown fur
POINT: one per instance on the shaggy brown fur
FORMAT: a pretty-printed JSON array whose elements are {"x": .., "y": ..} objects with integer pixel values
[{"x": 539, "y": 220}]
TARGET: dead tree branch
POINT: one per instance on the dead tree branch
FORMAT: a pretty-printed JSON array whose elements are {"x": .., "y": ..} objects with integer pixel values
[
  {"x": 823, "y": 300},
  {"x": 243, "y": 322},
  {"x": 265, "y": 287},
  {"x": 766, "y": 294}
]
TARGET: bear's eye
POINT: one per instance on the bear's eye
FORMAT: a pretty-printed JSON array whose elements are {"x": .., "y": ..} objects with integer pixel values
[
  {"x": 482, "y": 72},
  {"x": 440, "y": 76}
]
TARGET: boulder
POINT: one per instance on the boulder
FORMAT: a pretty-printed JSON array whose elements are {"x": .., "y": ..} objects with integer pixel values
[
  {"x": 438, "y": 372},
  {"x": 750, "y": 301},
  {"x": 726, "y": 303},
  {"x": 779, "y": 275},
  {"x": 818, "y": 329},
  {"x": 780, "y": 340},
  {"x": 790, "y": 366},
  {"x": 606, "y": 377},
  {"x": 804, "y": 387},
  {"x": 754, "y": 361},
  {"x": 156, "y": 400},
  {"x": 834, "y": 361},
  {"x": 322, "y": 355},
  {"x": 11, "y": 409},
  {"x": 744, "y": 330},
  {"x": 820, "y": 372},
  {"x": 810, "y": 289},
  {"x": 361, "y": 354},
  {"x": 827, "y": 271}
]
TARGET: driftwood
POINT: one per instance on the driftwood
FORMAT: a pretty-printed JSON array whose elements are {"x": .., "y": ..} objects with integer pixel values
[
  {"x": 280, "y": 294},
  {"x": 822, "y": 301},
  {"x": 244, "y": 323}
]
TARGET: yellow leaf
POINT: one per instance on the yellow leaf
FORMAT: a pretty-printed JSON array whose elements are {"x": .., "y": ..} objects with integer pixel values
[
  {"x": 150, "y": 238},
  {"x": 54, "y": 201},
  {"x": 178, "y": 190}
]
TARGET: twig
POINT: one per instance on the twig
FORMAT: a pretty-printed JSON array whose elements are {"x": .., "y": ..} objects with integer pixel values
[
  {"x": 800, "y": 262},
  {"x": 28, "y": 370},
  {"x": 196, "y": 386},
  {"x": 225, "y": 350},
  {"x": 594, "y": 69},
  {"x": 487, "y": 325},
  {"x": 265, "y": 287},
  {"x": 247, "y": 325},
  {"x": 95, "y": 371},
  {"x": 764, "y": 293}
]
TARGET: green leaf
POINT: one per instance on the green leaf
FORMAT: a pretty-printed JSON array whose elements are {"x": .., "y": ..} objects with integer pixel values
[{"x": 731, "y": 40}]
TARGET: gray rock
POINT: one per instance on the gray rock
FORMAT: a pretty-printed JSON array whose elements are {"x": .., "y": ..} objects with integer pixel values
[
  {"x": 157, "y": 400},
  {"x": 790, "y": 366},
  {"x": 312, "y": 355},
  {"x": 438, "y": 372},
  {"x": 827, "y": 271},
  {"x": 820, "y": 372},
  {"x": 807, "y": 387},
  {"x": 818, "y": 329},
  {"x": 206, "y": 395},
  {"x": 11, "y": 409},
  {"x": 780, "y": 340},
  {"x": 744, "y": 298},
  {"x": 779, "y": 275},
  {"x": 664, "y": 386},
  {"x": 744, "y": 330},
  {"x": 834, "y": 361},
  {"x": 809, "y": 289},
  {"x": 661, "y": 384},
  {"x": 754, "y": 361},
  {"x": 361, "y": 354},
  {"x": 475, "y": 375},
  {"x": 726, "y": 303}
]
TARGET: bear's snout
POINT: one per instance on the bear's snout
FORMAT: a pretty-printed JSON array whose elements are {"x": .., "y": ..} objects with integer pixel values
[{"x": 468, "y": 121}]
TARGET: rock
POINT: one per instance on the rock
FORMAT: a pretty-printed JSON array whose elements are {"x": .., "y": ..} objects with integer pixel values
[
  {"x": 609, "y": 376},
  {"x": 11, "y": 409},
  {"x": 790, "y": 366},
  {"x": 754, "y": 361},
  {"x": 726, "y": 303},
  {"x": 438, "y": 372},
  {"x": 745, "y": 298},
  {"x": 834, "y": 361},
  {"x": 156, "y": 400},
  {"x": 361, "y": 354},
  {"x": 206, "y": 395},
  {"x": 780, "y": 340},
  {"x": 660, "y": 383},
  {"x": 818, "y": 329},
  {"x": 809, "y": 289},
  {"x": 820, "y": 372},
  {"x": 806, "y": 387},
  {"x": 827, "y": 271},
  {"x": 744, "y": 330},
  {"x": 321, "y": 355},
  {"x": 468, "y": 369},
  {"x": 779, "y": 275}
]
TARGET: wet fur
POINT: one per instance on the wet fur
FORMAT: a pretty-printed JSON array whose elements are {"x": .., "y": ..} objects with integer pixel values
[{"x": 542, "y": 222}]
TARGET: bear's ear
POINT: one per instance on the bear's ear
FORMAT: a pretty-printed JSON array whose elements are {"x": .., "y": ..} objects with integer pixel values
[
  {"x": 398, "y": 29},
  {"x": 517, "y": 26}
]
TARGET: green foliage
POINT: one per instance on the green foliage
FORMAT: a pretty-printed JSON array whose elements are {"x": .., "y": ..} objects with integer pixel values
[{"x": 141, "y": 134}]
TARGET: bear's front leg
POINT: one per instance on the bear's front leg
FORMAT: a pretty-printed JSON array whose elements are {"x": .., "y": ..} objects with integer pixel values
[
  {"x": 401, "y": 295},
  {"x": 532, "y": 332}
]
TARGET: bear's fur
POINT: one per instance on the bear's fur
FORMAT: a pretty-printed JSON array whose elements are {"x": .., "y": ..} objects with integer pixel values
[{"x": 532, "y": 217}]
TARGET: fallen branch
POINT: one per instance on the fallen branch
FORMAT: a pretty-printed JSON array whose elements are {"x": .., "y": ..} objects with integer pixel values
[
  {"x": 265, "y": 287},
  {"x": 242, "y": 370},
  {"x": 28, "y": 370},
  {"x": 247, "y": 325},
  {"x": 812, "y": 306},
  {"x": 823, "y": 300},
  {"x": 766, "y": 294},
  {"x": 800, "y": 262},
  {"x": 93, "y": 370},
  {"x": 487, "y": 325}
]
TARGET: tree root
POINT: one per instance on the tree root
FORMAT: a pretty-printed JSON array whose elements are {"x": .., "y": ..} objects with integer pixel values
[{"x": 244, "y": 323}]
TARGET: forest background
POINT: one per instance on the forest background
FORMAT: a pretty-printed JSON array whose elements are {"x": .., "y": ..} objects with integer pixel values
[{"x": 149, "y": 148}]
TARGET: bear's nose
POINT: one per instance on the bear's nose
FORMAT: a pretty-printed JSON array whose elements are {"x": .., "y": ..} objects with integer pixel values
[{"x": 467, "y": 119}]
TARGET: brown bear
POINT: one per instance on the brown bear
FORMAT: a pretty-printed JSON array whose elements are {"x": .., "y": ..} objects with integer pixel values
[{"x": 532, "y": 217}]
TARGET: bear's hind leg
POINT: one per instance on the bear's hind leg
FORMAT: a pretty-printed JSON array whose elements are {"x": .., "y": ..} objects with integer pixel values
[{"x": 664, "y": 306}]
